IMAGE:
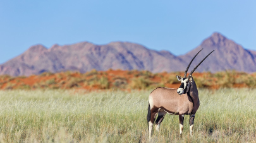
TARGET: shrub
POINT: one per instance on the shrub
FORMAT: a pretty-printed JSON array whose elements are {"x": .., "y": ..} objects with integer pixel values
[
  {"x": 199, "y": 82},
  {"x": 62, "y": 82},
  {"x": 104, "y": 83},
  {"x": 147, "y": 74},
  {"x": 3, "y": 77},
  {"x": 130, "y": 72},
  {"x": 46, "y": 74},
  {"x": 59, "y": 76},
  {"x": 91, "y": 81},
  {"x": 228, "y": 80},
  {"x": 72, "y": 82},
  {"x": 22, "y": 77},
  {"x": 249, "y": 80},
  {"x": 120, "y": 82},
  {"x": 139, "y": 83},
  {"x": 24, "y": 86},
  {"x": 9, "y": 85},
  {"x": 37, "y": 85},
  {"x": 50, "y": 82},
  {"x": 169, "y": 79},
  {"x": 219, "y": 75},
  {"x": 92, "y": 72},
  {"x": 241, "y": 79},
  {"x": 1, "y": 84}
]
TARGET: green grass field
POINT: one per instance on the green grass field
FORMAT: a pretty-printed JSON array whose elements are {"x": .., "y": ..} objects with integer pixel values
[{"x": 225, "y": 115}]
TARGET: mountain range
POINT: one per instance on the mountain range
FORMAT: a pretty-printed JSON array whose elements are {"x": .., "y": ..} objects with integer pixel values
[{"x": 86, "y": 56}]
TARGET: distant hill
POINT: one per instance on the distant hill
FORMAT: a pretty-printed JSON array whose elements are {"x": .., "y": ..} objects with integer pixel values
[{"x": 86, "y": 56}]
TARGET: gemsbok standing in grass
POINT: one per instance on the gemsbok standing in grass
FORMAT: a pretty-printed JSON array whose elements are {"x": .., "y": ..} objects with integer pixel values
[{"x": 181, "y": 101}]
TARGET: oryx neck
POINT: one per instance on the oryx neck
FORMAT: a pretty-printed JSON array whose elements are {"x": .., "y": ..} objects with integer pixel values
[{"x": 193, "y": 94}]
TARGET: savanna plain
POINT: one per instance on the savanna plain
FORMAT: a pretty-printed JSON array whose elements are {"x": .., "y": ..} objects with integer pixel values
[{"x": 45, "y": 115}]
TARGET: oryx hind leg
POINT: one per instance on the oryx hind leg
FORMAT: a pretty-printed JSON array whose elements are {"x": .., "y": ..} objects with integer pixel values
[
  {"x": 159, "y": 119},
  {"x": 153, "y": 113}
]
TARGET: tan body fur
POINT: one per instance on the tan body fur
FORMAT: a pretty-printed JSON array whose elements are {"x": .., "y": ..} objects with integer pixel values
[{"x": 171, "y": 101}]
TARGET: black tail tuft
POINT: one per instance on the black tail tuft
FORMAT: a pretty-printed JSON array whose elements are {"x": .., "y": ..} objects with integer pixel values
[{"x": 149, "y": 114}]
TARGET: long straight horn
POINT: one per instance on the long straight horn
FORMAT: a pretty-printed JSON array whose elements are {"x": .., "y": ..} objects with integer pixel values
[
  {"x": 185, "y": 74},
  {"x": 199, "y": 64}
]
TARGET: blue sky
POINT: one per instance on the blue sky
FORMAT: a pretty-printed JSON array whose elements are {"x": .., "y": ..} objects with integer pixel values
[{"x": 161, "y": 25}]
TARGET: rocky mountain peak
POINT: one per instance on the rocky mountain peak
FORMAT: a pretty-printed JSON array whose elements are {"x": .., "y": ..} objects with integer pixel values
[
  {"x": 216, "y": 39},
  {"x": 228, "y": 55},
  {"x": 37, "y": 48}
]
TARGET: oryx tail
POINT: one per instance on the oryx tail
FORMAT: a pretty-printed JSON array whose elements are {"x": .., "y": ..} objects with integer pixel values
[{"x": 149, "y": 113}]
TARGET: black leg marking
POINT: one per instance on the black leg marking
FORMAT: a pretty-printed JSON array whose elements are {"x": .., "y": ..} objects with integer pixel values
[
  {"x": 191, "y": 123},
  {"x": 153, "y": 112},
  {"x": 191, "y": 120},
  {"x": 159, "y": 119},
  {"x": 181, "y": 118}
]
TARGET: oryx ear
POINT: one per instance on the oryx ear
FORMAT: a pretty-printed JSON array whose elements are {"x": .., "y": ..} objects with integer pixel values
[{"x": 178, "y": 77}]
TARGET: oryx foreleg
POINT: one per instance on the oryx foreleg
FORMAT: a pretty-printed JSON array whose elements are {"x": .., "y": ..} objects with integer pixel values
[
  {"x": 191, "y": 123},
  {"x": 181, "y": 118}
]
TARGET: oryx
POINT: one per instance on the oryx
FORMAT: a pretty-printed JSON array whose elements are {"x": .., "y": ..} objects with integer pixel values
[{"x": 181, "y": 101}]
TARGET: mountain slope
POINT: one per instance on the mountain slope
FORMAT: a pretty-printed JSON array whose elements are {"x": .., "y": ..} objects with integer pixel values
[
  {"x": 228, "y": 55},
  {"x": 87, "y": 56}
]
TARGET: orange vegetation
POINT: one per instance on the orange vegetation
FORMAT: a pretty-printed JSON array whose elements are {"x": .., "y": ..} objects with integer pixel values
[{"x": 125, "y": 80}]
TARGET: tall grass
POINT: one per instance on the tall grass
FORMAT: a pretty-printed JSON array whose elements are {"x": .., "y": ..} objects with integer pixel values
[{"x": 225, "y": 115}]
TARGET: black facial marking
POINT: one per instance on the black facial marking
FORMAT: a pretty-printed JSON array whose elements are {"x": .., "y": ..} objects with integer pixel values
[{"x": 182, "y": 85}]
